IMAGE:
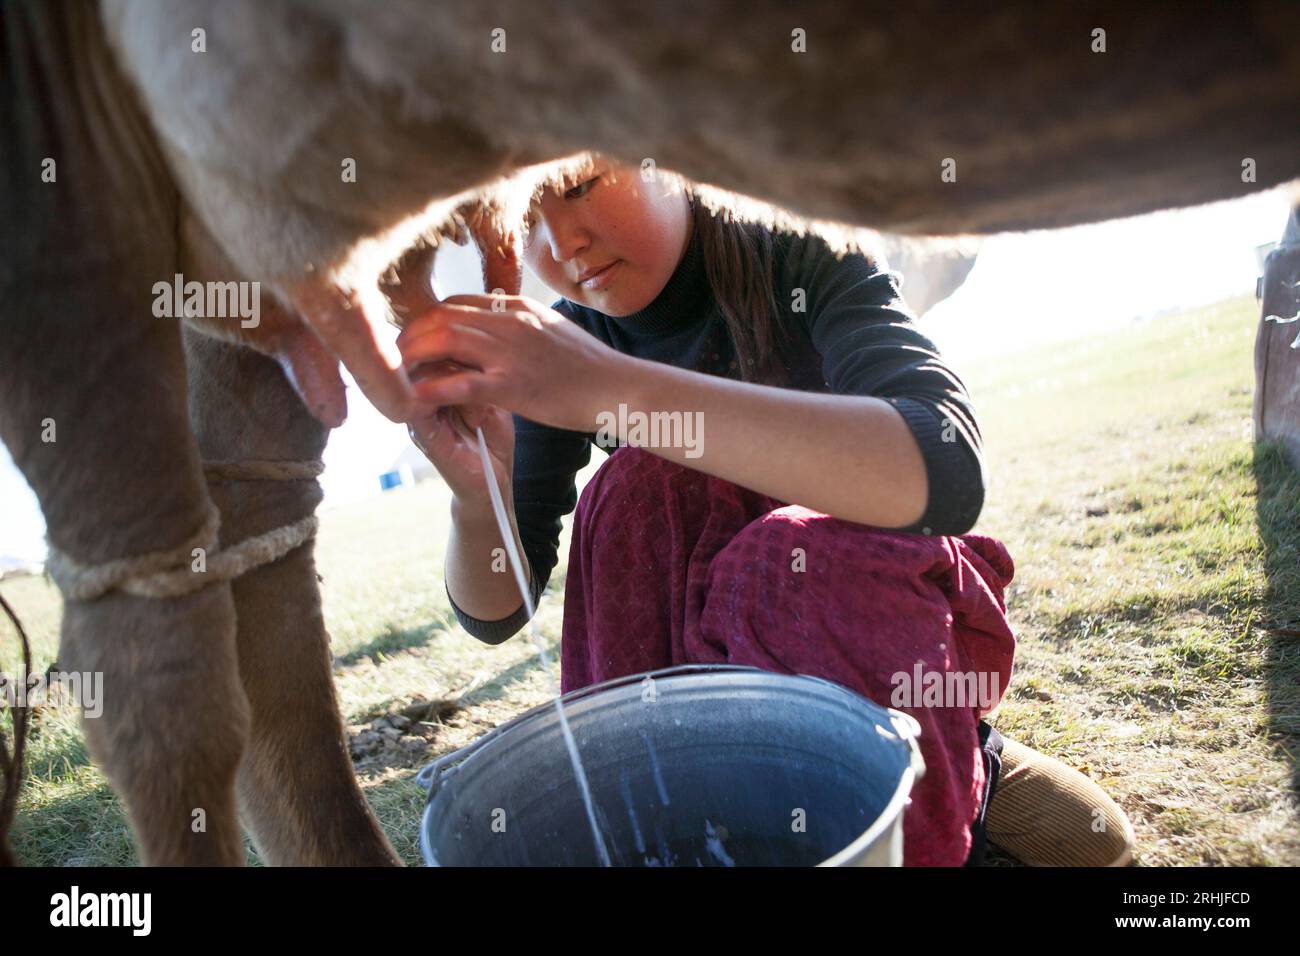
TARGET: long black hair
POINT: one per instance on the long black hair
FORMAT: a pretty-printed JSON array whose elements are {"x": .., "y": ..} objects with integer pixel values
[{"x": 739, "y": 259}]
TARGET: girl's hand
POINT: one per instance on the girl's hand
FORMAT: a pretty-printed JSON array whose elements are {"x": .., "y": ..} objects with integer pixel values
[
  {"x": 447, "y": 437},
  {"x": 516, "y": 354}
]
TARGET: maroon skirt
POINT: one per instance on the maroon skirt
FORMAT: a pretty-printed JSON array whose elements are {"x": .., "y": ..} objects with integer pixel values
[{"x": 670, "y": 566}]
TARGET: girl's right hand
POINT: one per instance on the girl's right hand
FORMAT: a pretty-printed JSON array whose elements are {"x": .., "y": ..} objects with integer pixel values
[{"x": 448, "y": 439}]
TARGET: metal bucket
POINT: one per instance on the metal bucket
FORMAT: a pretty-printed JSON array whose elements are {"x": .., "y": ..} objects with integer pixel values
[{"x": 695, "y": 765}]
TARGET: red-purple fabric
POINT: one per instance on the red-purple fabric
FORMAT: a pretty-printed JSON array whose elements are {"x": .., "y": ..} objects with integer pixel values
[{"x": 672, "y": 566}]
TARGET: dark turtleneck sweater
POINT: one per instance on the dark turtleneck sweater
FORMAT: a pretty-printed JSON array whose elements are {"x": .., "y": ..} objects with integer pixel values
[{"x": 854, "y": 336}]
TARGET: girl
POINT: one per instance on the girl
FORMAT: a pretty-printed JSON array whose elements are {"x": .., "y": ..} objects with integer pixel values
[{"x": 817, "y": 522}]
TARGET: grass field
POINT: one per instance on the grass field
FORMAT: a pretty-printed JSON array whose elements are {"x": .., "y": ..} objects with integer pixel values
[{"x": 1156, "y": 601}]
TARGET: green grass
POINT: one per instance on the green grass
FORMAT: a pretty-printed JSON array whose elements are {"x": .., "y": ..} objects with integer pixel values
[
  {"x": 1156, "y": 598},
  {"x": 1157, "y": 583},
  {"x": 394, "y": 640}
]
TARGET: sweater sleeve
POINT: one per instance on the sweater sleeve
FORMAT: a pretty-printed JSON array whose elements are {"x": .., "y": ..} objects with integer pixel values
[
  {"x": 869, "y": 345},
  {"x": 547, "y": 461}
]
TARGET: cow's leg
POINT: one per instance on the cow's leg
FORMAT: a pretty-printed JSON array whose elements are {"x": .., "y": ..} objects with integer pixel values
[
  {"x": 121, "y": 478},
  {"x": 297, "y": 790},
  {"x": 92, "y": 407}
]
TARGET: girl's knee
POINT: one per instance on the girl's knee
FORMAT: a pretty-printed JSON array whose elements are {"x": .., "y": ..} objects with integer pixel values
[
  {"x": 795, "y": 551},
  {"x": 629, "y": 463},
  {"x": 819, "y": 593},
  {"x": 637, "y": 488}
]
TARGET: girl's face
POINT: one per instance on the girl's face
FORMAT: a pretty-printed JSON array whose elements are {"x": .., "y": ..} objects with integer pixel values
[{"x": 610, "y": 242}]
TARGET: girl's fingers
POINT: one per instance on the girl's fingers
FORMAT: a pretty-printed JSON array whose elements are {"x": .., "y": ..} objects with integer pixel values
[
  {"x": 429, "y": 371},
  {"x": 456, "y": 422},
  {"x": 475, "y": 414},
  {"x": 500, "y": 432},
  {"x": 453, "y": 342},
  {"x": 474, "y": 311},
  {"x": 458, "y": 388},
  {"x": 446, "y": 441}
]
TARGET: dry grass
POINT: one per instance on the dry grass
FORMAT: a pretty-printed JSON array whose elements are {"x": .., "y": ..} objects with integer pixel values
[{"x": 1156, "y": 599}]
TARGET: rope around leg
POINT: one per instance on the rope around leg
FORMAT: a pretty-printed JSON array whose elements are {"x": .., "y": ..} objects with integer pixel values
[
  {"x": 171, "y": 573},
  {"x": 255, "y": 470}
]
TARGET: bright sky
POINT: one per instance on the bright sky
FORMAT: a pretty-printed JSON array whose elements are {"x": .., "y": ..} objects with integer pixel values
[{"x": 1026, "y": 289}]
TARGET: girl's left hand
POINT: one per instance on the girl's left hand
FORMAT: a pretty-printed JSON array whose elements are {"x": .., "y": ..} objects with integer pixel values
[{"x": 521, "y": 356}]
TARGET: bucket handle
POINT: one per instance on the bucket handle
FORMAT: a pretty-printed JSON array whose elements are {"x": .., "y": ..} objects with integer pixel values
[
  {"x": 430, "y": 776},
  {"x": 909, "y": 729}
]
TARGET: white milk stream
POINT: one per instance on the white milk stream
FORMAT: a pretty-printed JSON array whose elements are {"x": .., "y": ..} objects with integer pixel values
[{"x": 503, "y": 524}]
